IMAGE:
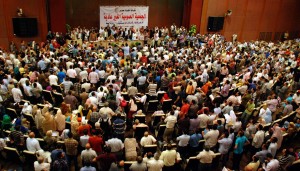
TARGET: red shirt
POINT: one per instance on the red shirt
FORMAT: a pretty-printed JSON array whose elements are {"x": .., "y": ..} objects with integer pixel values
[
  {"x": 83, "y": 127},
  {"x": 184, "y": 110},
  {"x": 96, "y": 143},
  {"x": 144, "y": 59}
]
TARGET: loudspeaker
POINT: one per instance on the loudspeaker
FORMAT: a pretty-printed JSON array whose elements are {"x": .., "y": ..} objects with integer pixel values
[
  {"x": 25, "y": 27},
  {"x": 215, "y": 23}
]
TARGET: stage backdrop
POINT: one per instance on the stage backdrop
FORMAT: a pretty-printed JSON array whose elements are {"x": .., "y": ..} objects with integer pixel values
[{"x": 125, "y": 16}]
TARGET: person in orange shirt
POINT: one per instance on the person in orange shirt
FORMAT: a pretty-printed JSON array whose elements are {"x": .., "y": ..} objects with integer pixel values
[
  {"x": 190, "y": 88},
  {"x": 184, "y": 108},
  {"x": 206, "y": 87}
]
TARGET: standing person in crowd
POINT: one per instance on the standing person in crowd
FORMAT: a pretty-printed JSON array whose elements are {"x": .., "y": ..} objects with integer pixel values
[
  {"x": 169, "y": 157},
  {"x": 205, "y": 157},
  {"x": 240, "y": 142},
  {"x": 71, "y": 150}
]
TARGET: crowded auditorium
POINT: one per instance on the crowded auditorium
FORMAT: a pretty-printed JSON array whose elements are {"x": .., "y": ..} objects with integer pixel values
[{"x": 149, "y": 85}]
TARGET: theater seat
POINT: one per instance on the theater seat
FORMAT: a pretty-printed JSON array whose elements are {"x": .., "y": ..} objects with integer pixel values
[
  {"x": 48, "y": 96},
  {"x": 152, "y": 105},
  {"x": 167, "y": 105},
  {"x": 30, "y": 157},
  {"x": 12, "y": 154},
  {"x": 58, "y": 99},
  {"x": 150, "y": 148},
  {"x": 127, "y": 164}
]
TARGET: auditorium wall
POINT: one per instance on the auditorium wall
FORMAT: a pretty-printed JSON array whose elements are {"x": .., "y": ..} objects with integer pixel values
[
  {"x": 253, "y": 19},
  {"x": 32, "y": 8},
  {"x": 86, "y": 13}
]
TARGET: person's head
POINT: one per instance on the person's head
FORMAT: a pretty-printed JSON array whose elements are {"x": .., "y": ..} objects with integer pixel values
[
  {"x": 31, "y": 135},
  {"x": 60, "y": 155},
  {"x": 274, "y": 140},
  {"x": 40, "y": 159},
  {"x": 70, "y": 134},
  {"x": 139, "y": 159},
  {"x": 206, "y": 148},
  {"x": 269, "y": 156},
  {"x": 87, "y": 146},
  {"x": 85, "y": 132},
  {"x": 149, "y": 155},
  {"x": 146, "y": 133},
  {"x": 259, "y": 127},
  {"x": 107, "y": 149},
  {"x": 169, "y": 146},
  {"x": 49, "y": 133}
]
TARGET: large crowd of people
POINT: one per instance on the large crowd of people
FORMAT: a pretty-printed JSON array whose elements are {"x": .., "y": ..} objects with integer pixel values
[{"x": 174, "y": 98}]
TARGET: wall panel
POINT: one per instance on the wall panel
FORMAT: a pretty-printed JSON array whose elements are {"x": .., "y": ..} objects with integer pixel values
[
  {"x": 86, "y": 13},
  {"x": 32, "y": 8},
  {"x": 251, "y": 17}
]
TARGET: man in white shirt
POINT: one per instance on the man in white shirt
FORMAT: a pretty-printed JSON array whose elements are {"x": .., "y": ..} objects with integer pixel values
[
  {"x": 170, "y": 123},
  {"x": 273, "y": 146},
  {"x": 32, "y": 143},
  {"x": 258, "y": 139},
  {"x": 141, "y": 81},
  {"x": 183, "y": 144},
  {"x": 39, "y": 165},
  {"x": 224, "y": 145},
  {"x": 83, "y": 75},
  {"x": 53, "y": 79},
  {"x": 154, "y": 164},
  {"x": 272, "y": 165},
  {"x": 211, "y": 137},
  {"x": 17, "y": 94},
  {"x": 206, "y": 157},
  {"x": 169, "y": 157},
  {"x": 71, "y": 73},
  {"x": 115, "y": 144},
  {"x": 147, "y": 139},
  {"x": 106, "y": 111},
  {"x": 88, "y": 154},
  {"x": 84, "y": 139},
  {"x": 204, "y": 118}
]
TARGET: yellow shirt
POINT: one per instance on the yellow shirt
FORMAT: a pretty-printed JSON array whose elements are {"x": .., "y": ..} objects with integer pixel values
[{"x": 168, "y": 157}]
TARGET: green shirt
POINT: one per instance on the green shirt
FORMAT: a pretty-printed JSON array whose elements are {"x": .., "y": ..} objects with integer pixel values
[{"x": 249, "y": 108}]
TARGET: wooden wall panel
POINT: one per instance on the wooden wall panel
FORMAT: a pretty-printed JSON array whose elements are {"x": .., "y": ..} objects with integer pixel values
[
  {"x": 57, "y": 15},
  {"x": 86, "y": 13},
  {"x": 251, "y": 17},
  {"x": 32, "y": 8}
]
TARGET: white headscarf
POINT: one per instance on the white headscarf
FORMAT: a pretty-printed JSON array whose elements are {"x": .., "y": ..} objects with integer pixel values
[{"x": 39, "y": 118}]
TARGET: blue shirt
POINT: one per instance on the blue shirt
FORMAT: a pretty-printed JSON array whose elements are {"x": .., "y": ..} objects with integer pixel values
[
  {"x": 61, "y": 76},
  {"x": 88, "y": 168},
  {"x": 194, "y": 140},
  {"x": 42, "y": 65},
  {"x": 240, "y": 142}
]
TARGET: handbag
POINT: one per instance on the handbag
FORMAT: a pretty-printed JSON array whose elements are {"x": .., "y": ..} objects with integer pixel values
[
  {"x": 123, "y": 103},
  {"x": 133, "y": 107}
]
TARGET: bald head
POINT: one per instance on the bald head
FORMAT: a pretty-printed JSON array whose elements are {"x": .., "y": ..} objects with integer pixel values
[
  {"x": 88, "y": 146},
  {"x": 146, "y": 133},
  {"x": 31, "y": 135},
  {"x": 121, "y": 163}
]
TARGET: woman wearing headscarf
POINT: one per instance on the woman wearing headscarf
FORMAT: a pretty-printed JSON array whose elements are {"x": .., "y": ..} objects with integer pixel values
[
  {"x": 34, "y": 110},
  {"x": 278, "y": 134},
  {"x": 60, "y": 121},
  {"x": 27, "y": 108},
  {"x": 74, "y": 123},
  {"x": 39, "y": 118},
  {"x": 48, "y": 123},
  {"x": 6, "y": 123}
]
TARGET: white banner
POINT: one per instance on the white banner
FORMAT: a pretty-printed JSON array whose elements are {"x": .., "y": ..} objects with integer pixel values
[{"x": 125, "y": 16}]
